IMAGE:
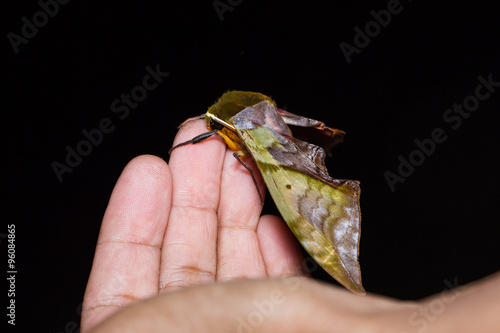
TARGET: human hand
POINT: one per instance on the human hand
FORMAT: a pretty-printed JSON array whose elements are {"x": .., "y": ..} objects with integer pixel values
[
  {"x": 171, "y": 231},
  {"x": 192, "y": 222}
]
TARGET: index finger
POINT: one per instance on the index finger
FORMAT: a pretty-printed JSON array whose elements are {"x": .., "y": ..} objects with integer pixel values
[{"x": 127, "y": 255}]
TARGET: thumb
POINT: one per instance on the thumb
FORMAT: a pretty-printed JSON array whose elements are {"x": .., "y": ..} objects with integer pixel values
[{"x": 295, "y": 304}]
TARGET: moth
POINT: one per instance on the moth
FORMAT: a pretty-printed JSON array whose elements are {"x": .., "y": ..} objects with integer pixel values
[{"x": 289, "y": 151}]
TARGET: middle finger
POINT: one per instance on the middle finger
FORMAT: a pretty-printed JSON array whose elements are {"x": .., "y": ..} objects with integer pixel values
[{"x": 189, "y": 247}]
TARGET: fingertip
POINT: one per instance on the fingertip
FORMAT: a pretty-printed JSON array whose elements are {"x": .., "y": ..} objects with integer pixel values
[
  {"x": 191, "y": 129},
  {"x": 140, "y": 202},
  {"x": 149, "y": 167}
]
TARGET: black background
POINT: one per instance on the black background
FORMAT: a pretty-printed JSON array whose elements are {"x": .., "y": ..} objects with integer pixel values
[{"x": 439, "y": 224}]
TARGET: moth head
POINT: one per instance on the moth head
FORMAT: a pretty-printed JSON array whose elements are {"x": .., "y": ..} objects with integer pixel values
[
  {"x": 226, "y": 131},
  {"x": 214, "y": 125}
]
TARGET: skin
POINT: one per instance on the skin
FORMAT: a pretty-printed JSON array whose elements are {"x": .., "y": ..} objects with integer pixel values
[{"x": 183, "y": 247}]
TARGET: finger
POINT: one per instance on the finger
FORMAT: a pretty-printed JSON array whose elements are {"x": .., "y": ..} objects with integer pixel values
[
  {"x": 127, "y": 256},
  {"x": 239, "y": 254},
  {"x": 280, "y": 249},
  {"x": 189, "y": 250}
]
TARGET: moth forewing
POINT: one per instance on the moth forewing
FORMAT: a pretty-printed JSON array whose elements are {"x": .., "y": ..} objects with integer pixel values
[
  {"x": 313, "y": 131},
  {"x": 322, "y": 212}
]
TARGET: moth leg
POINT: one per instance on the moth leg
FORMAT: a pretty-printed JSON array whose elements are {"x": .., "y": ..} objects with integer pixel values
[
  {"x": 194, "y": 140},
  {"x": 237, "y": 156}
]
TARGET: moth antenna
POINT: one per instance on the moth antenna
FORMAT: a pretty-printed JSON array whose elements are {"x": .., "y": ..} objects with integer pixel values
[
  {"x": 194, "y": 140},
  {"x": 252, "y": 174}
]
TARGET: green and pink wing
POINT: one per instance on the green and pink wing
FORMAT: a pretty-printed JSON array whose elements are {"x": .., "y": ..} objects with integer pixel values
[{"x": 323, "y": 212}]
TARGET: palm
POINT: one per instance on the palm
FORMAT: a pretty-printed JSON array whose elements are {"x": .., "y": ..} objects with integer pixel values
[{"x": 194, "y": 221}]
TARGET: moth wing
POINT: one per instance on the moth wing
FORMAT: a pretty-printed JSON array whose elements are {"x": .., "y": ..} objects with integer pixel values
[
  {"x": 322, "y": 212},
  {"x": 276, "y": 121},
  {"x": 315, "y": 153},
  {"x": 312, "y": 130}
]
